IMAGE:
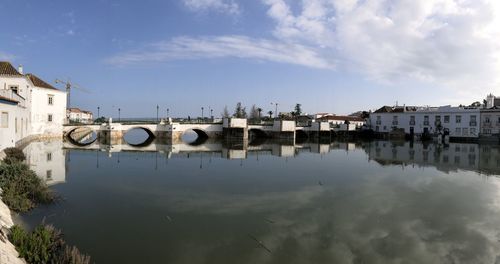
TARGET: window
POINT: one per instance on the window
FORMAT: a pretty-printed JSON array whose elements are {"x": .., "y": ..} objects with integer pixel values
[
  {"x": 4, "y": 120},
  {"x": 395, "y": 120},
  {"x": 458, "y": 131},
  {"x": 487, "y": 119},
  {"x": 14, "y": 88},
  {"x": 49, "y": 175},
  {"x": 49, "y": 118},
  {"x": 426, "y": 120},
  {"x": 465, "y": 131},
  {"x": 379, "y": 120},
  {"x": 447, "y": 119},
  {"x": 51, "y": 99},
  {"x": 473, "y": 131},
  {"x": 458, "y": 119},
  {"x": 412, "y": 120},
  {"x": 49, "y": 156},
  {"x": 473, "y": 120}
]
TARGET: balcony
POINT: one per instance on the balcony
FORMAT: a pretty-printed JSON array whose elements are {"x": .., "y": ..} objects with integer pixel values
[
  {"x": 473, "y": 123},
  {"x": 412, "y": 122},
  {"x": 426, "y": 123},
  {"x": 14, "y": 96}
]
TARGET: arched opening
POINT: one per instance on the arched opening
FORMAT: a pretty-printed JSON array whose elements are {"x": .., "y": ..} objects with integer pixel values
[
  {"x": 139, "y": 137},
  {"x": 257, "y": 137},
  {"x": 194, "y": 137},
  {"x": 81, "y": 136},
  {"x": 301, "y": 136}
]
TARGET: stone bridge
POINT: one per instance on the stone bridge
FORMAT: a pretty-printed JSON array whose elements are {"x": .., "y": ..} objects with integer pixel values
[{"x": 231, "y": 128}]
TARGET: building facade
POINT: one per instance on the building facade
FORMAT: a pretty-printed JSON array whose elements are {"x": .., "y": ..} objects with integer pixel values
[
  {"x": 458, "y": 122},
  {"x": 77, "y": 115},
  {"x": 27, "y": 104}
]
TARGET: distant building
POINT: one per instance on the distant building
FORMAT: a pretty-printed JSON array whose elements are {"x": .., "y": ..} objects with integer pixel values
[
  {"x": 339, "y": 120},
  {"x": 77, "y": 115},
  {"x": 459, "y": 122}
]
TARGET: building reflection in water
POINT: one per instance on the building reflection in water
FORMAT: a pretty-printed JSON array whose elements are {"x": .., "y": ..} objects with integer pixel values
[
  {"x": 482, "y": 158},
  {"x": 49, "y": 158}
]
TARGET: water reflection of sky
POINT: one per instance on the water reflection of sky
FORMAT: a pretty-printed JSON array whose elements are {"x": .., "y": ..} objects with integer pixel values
[{"x": 323, "y": 203}]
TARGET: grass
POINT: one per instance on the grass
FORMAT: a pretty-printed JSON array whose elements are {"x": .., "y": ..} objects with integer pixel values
[
  {"x": 22, "y": 190},
  {"x": 45, "y": 245}
]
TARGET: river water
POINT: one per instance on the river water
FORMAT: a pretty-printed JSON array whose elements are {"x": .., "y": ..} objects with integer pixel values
[{"x": 339, "y": 202}]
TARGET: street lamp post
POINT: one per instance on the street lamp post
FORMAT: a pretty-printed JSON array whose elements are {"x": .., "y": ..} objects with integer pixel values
[
  {"x": 98, "y": 109},
  {"x": 202, "y": 108},
  {"x": 119, "y": 109},
  {"x": 168, "y": 114},
  {"x": 157, "y": 109},
  {"x": 212, "y": 114},
  {"x": 276, "y": 109}
]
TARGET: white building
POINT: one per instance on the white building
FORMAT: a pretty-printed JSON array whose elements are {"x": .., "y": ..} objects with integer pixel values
[
  {"x": 48, "y": 110},
  {"x": 25, "y": 108},
  {"x": 460, "y": 122},
  {"x": 77, "y": 115}
]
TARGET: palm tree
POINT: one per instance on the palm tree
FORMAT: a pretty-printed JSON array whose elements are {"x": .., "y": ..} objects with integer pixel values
[
  {"x": 270, "y": 114},
  {"x": 260, "y": 111}
]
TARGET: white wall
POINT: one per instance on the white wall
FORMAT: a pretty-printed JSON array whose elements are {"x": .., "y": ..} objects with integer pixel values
[
  {"x": 41, "y": 110},
  {"x": 462, "y": 129}
]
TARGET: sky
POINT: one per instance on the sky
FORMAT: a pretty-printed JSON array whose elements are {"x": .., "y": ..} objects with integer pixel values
[{"x": 336, "y": 56}]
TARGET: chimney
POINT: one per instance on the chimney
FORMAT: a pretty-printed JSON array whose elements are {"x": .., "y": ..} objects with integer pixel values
[{"x": 20, "y": 69}]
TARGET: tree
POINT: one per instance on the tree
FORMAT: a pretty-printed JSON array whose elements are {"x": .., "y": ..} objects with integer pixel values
[
  {"x": 254, "y": 113},
  {"x": 270, "y": 113},
  {"x": 476, "y": 104},
  {"x": 240, "y": 111},
  {"x": 225, "y": 114},
  {"x": 260, "y": 112},
  {"x": 297, "y": 110}
]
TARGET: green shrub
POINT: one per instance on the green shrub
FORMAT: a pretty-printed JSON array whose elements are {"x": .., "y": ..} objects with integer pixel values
[
  {"x": 14, "y": 155},
  {"x": 22, "y": 189},
  {"x": 45, "y": 245}
]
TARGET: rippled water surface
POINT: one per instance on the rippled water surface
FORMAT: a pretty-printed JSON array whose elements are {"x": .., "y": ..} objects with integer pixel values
[{"x": 365, "y": 202}]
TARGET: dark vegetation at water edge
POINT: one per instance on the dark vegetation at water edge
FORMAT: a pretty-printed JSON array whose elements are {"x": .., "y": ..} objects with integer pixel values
[
  {"x": 22, "y": 190},
  {"x": 45, "y": 245}
]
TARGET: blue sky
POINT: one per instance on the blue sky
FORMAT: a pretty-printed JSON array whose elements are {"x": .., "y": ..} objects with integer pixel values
[{"x": 329, "y": 55}]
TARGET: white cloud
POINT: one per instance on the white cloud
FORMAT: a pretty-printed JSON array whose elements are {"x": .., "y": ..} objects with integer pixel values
[
  {"x": 225, "y": 46},
  {"x": 223, "y": 6},
  {"x": 451, "y": 42},
  {"x": 448, "y": 43}
]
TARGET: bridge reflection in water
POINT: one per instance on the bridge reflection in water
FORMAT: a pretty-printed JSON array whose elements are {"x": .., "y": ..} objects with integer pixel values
[{"x": 49, "y": 158}]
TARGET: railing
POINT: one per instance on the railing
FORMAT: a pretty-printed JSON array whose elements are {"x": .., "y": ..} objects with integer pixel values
[
  {"x": 14, "y": 96},
  {"x": 472, "y": 123},
  {"x": 412, "y": 123},
  {"x": 426, "y": 123}
]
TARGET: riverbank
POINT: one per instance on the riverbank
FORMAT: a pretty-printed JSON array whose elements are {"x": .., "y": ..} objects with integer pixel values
[{"x": 8, "y": 252}]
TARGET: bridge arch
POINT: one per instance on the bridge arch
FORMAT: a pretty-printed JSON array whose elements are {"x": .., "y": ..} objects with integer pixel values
[
  {"x": 301, "y": 136},
  {"x": 201, "y": 136},
  {"x": 77, "y": 142},
  {"x": 150, "y": 136}
]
